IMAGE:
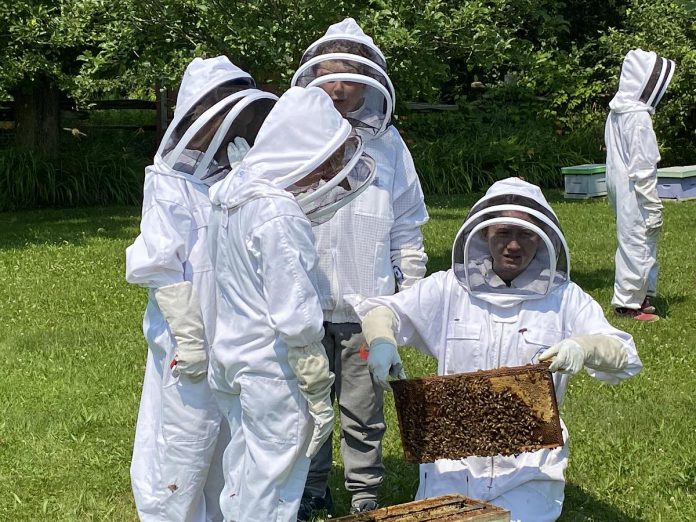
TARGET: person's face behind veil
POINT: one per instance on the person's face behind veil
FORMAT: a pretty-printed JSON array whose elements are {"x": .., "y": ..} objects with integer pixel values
[{"x": 512, "y": 247}]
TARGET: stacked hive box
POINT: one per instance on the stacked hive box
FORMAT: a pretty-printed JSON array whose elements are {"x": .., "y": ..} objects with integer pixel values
[
  {"x": 678, "y": 183},
  {"x": 585, "y": 181}
]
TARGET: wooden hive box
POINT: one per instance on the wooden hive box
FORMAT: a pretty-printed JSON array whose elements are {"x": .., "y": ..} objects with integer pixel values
[
  {"x": 450, "y": 508},
  {"x": 585, "y": 181},
  {"x": 677, "y": 183},
  {"x": 504, "y": 411}
]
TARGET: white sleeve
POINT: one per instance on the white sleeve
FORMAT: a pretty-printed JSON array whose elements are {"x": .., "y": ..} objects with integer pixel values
[
  {"x": 157, "y": 256},
  {"x": 418, "y": 311},
  {"x": 643, "y": 158},
  {"x": 642, "y": 151},
  {"x": 286, "y": 256},
  {"x": 590, "y": 320},
  {"x": 407, "y": 252}
]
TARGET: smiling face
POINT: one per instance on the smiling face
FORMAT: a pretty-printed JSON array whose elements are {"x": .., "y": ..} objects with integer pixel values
[
  {"x": 346, "y": 96},
  {"x": 512, "y": 247}
]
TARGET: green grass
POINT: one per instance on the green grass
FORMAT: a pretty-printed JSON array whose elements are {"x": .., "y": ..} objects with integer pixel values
[{"x": 73, "y": 356}]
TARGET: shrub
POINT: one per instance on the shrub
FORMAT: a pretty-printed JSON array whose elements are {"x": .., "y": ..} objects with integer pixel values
[
  {"x": 464, "y": 151},
  {"x": 81, "y": 175}
]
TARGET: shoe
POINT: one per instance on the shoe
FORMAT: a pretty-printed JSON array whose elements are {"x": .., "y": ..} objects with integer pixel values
[
  {"x": 647, "y": 306},
  {"x": 310, "y": 506},
  {"x": 362, "y": 506},
  {"x": 638, "y": 315}
]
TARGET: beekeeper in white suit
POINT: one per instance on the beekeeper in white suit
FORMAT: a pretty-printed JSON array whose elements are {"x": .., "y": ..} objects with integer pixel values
[
  {"x": 178, "y": 421},
  {"x": 371, "y": 248},
  {"x": 632, "y": 157},
  {"x": 506, "y": 301},
  {"x": 269, "y": 371}
]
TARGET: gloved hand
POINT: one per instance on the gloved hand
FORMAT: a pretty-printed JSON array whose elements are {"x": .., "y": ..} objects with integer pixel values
[
  {"x": 568, "y": 355},
  {"x": 236, "y": 150},
  {"x": 181, "y": 309},
  {"x": 383, "y": 360},
  {"x": 323, "y": 415},
  {"x": 598, "y": 352},
  {"x": 311, "y": 367}
]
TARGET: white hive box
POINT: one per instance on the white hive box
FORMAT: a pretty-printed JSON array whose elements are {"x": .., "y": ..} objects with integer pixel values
[
  {"x": 585, "y": 181},
  {"x": 677, "y": 183}
]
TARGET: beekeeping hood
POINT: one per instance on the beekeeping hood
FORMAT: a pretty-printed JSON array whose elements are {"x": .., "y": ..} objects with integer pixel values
[
  {"x": 471, "y": 257},
  {"x": 346, "y": 54},
  {"x": 306, "y": 148},
  {"x": 216, "y": 103},
  {"x": 644, "y": 79}
]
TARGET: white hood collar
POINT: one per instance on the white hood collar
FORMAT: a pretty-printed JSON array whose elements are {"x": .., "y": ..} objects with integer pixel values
[{"x": 644, "y": 79}]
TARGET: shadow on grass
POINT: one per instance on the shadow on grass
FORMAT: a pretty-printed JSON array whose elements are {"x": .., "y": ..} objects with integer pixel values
[
  {"x": 592, "y": 280},
  {"x": 580, "y": 506},
  {"x": 663, "y": 303},
  {"x": 24, "y": 229}
]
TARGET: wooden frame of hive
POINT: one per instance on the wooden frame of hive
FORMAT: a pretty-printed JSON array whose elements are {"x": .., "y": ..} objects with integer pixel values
[
  {"x": 505, "y": 411},
  {"x": 450, "y": 508}
]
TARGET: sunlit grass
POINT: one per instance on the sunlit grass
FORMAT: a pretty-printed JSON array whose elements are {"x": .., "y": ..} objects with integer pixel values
[{"x": 72, "y": 358}]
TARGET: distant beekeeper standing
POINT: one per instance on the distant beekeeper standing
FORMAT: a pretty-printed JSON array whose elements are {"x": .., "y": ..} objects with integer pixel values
[
  {"x": 178, "y": 421},
  {"x": 632, "y": 157},
  {"x": 269, "y": 370},
  {"x": 370, "y": 248},
  {"x": 506, "y": 301}
]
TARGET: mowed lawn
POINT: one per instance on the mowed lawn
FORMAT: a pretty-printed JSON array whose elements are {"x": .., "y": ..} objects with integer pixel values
[{"x": 72, "y": 358}]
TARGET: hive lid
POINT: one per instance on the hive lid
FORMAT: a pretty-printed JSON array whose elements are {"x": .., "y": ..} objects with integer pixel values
[
  {"x": 588, "y": 168},
  {"x": 504, "y": 411},
  {"x": 448, "y": 508},
  {"x": 677, "y": 172}
]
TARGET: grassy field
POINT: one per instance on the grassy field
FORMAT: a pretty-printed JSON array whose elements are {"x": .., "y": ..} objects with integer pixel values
[{"x": 72, "y": 358}]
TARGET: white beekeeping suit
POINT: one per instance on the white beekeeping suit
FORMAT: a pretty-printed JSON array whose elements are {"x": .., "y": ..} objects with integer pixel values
[
  {"x": 176, "y": 471},
  {"x": 268, "y": 369},
  {"x": 372, "y": 247},
  {"x": 632, "y": 157},
  {"x": 473, "y": 318}
]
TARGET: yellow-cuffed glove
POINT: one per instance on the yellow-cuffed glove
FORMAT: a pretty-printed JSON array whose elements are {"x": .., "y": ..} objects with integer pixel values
[
  {"x": 598, "y": 352},
  {"x": 311, "y": 367},
  {"x": 181, "y": 309}
]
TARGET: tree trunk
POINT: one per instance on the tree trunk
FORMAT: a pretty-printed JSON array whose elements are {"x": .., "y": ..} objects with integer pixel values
[{"x": 37, "y": 113}]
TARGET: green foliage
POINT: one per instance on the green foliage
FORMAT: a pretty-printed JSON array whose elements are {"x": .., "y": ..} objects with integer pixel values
[
  {"x": 461, "y": 152},
  {"x": 669, "y": 29},
  {"x": 83, "y": 174}
]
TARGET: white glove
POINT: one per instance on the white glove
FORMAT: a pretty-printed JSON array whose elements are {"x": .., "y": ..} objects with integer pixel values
[
  {"x": 236, "y": 150},
  {"x": 568, "y": 355},
  {"x": 181, "y": 309},
  {"x": 383, "y": 360},
  {"x": 409, "y": 266},
  {"x": 598, "y": 352},
  {"x": 379, "y": 323},
  {"x": 311, "y": 367}
]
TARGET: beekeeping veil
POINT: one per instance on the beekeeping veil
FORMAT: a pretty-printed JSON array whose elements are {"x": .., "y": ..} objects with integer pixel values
[
  {"x": 644, "y": 79},
  {"x": 306, "y": 148},
  {"x": 346, "y": 54},
  {"x": 217, "y": 102},
  {"x": 472, "y": 260}
]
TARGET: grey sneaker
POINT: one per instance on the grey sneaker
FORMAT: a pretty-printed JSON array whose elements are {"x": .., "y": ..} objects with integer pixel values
[{"x": 362, "y": 506}]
